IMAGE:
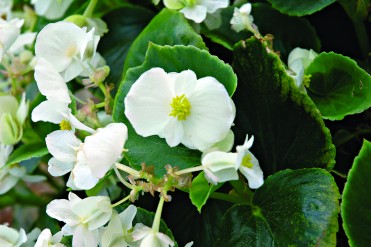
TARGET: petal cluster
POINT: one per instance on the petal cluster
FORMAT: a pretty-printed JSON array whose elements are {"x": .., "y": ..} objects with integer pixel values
[
  {"x": 88, "y": 161},
  {"x": 242, "y": 19},
  {"x": 180, "y": 108},
  {"x": 221, "y": 166},
  {"x": 51, "y": 9},
  {"x": 146, "y": 237},
  {"x": 196, "y": 10},
  {"x": 83, "y": 217},
  {"x": 10, "y": 237}
]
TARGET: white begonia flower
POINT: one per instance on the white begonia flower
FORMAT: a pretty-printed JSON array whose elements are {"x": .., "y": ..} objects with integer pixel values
[
  {"x": 67, "y": 47},
  {"x": 117, "y": 234},
  {"x": 10, "y": 237},
  {"x": 12, "y": 118},
  {"x": 242, "y": 19},
  {"x": 55, "y": 109},
  {"x": 9, "y": 32},
  {"x": 88, "y": 161},
  {"x": 147, "y": 237},
  {"x": 51, "y": 9},
  {"x": 298, "y": 61},
  {"x": 83, "y": 217},
  {"x": 196, "y": 10},
  {"x": 46, "y": 239},
  {"x": 221, "y": 166},
  {"x": 5, "y": 8},
  {"x": 180, "y": 108}
]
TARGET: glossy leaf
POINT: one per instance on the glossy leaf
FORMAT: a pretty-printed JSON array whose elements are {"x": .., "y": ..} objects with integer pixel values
[
  {"x": 356, "y": 202},
  {"x": 292, "y": 208},
  {"x": 151, "y": 150},
  {"x": 338, "y": 86},
  {"x": 124, "y": 26},
  {"x": 299, "y": 7},
  {"x": 26, "y": 152},
  {"x": 288, "y": 31},
  {"x": 288, "y": 129},
  {"x": 167, "y": 28}
]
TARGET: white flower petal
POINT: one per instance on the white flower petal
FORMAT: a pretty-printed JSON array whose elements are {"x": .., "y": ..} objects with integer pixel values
[
  {"x": 213, "y": 5},
  {"x": 59, "y": 43},
  {"x": 50, "y": 82},
  {"x": 22, "y": 110},
  {"x": 211, "y": 117},
  {"x": 94, "y": 211},
  {"x": 7, "y": 182},
  {"x": 58, "y": 168},
  {"x": 83, "y": 237},
  {"x": 82, "y": 176},
  {"x": 253, "y": 175},
  {"x": 44, "y": 238},
  {"x": 22, "y": 40},
  {"x": 173, "y": 132},
  {"x": 74, "y": 69},
  {"x": 50, "y": 111},
  {"x": 77, "y": 124},
  {"x": 62, "y": 144},
  {"x": 184, "y": 82},
  {"x": 127, "y": 217},
  {"x": 221, "y": 165},
  {"x": 147, "y": 105},
  {"x": 104, "y": 147},
  {"x": 195, "y": 13},
  {"x": 60, "y": 209},
  {"x": 112, "y": 235}
]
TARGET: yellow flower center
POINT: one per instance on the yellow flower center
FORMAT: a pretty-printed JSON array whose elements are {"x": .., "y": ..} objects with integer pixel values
[
  {"x": 246, "y": 161},
  {"x": 65, "y": 125},
  {"x": 181, "y": 107},
  {"x": 70, "y": 52},
  {"x": 306, "y": 81}
]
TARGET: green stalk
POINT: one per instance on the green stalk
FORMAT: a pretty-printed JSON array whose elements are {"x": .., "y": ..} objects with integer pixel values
[
  {"x": 90, "y": 9},
  {"x": 156, "y": 221}
]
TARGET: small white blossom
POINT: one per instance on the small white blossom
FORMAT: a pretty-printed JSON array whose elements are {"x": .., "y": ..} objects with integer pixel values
[
  {"x": 242, "y": 19},
  {"x": 298, "y": 61},
  {"x": 181, "y": 108},
  {"x": 67, "y": 46},
  {"x": 9, "y": 32},
  {"x": 46, "y": 239},
  {"x": 51, "y": 9},
  {"x": 83, "y": 217},
  {"x": 9, "y": 237},
  {"x": 147, "y": 237},
  {"x": 221, "y": 166},
  {"x": 55, "y": 109},
  {"x": 196, "y": 10},
  {"x": 88, "y": 161},
  {"x": 117, "y": 234},
  {"x": 5, "y": 8}
]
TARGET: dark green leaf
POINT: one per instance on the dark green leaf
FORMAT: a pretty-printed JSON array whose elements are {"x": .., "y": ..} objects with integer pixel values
[
  {"x": 26, "y": 152},
  {"x": 167, "y": 28},
  {"x": 289, "y": 32},
  {"x": 292, "y": 208},
  {"x": 124, "y": 26},
  {"x": 153, "y": 150},
  {"x": 289, "y": 131},
  {"x": 338, "y": 86},
  {"x": 356, "y": 203},
  {"x": 299, "y": 7}
]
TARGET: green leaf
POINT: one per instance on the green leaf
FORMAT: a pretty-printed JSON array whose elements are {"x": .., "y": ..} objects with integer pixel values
[
  {"x": 154, "y": 150},
  {"x": 289, "y": 131},
  {"x": 292, "y": 208},
  {"x": 124, "y": 26},
  {"x": 26, "y": 152},
  {"x": 167, "y": 28},
  {"x": 356, "y": 202},
  {"x": 338, "y": 86},
  {"x": 299, "y": 7},
  {"x": 200, "y": 190},
  {"x": 289, "y": 32}
]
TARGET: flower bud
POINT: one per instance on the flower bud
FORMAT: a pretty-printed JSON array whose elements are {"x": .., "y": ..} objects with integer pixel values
[{"x": 79, "y": 20}]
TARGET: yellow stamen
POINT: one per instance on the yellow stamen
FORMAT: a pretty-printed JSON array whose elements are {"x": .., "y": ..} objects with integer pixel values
[
  {"x": 181, "y": 107},
  {"x": 65, "y": 125},
  {"x": 306, "y": 81},
  {"x": 246, "y": 161}
]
